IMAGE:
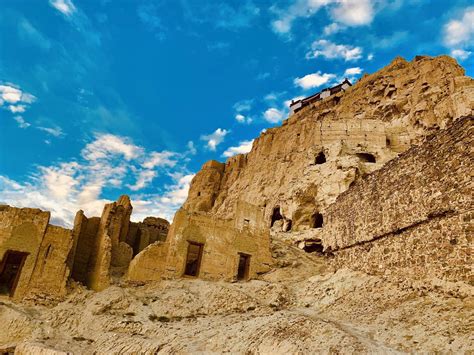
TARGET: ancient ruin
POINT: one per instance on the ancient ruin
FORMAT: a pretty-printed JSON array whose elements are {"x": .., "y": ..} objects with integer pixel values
[
  {"x": 39, "y": 258},
  {"x": 368, "y": 188}
]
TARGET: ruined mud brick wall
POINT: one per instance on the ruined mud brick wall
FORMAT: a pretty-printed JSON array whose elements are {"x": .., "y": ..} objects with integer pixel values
[
  {"x": 100, "y": 246},
  {"x": 22, "y": 230},
  {"x": 142, "y": 234},
  {"x": 383, "y": 114},
  {"x": 52, "y": 271},
  {"x": 222, "y": 242},
  {"x": 105, "y": 246},
  {"x": 45, "y": 270},
  {"x": 413, "y": 217}
]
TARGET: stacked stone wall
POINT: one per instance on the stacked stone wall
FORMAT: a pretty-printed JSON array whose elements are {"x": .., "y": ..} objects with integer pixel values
[{"x": 413, "y": 217}]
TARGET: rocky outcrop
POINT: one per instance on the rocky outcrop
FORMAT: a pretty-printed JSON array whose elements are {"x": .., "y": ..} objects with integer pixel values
[{"x": 353, "y": 133}]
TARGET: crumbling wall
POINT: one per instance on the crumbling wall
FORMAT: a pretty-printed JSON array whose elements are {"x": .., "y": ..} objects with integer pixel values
[
  {"x": 51, "y": 271},
  {"x": 22, "y": 230},
  {"x": 105, "y": 245},
  {"x": 222, "y": 242},
  {"x": 150, "y": 264},
  {"x": 85, "y": 232},
  {"x": 413, "y": 216},
  {"x": 142, "y": 234}
]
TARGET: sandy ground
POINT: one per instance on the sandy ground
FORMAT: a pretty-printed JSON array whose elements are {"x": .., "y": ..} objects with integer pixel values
[{"x": 299, "y": 307}]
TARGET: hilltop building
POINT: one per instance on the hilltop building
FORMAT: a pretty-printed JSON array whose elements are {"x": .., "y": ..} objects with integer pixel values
[{"x": 297, "y": 105}]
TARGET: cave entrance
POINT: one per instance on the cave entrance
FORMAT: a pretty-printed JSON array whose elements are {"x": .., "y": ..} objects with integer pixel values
[
  {"x": 366, "y": 157},
  {"x": 244, "y": 266},
  {"x": 10, "y": 271},
  {"x": 193, "y": 259},
  {"x": 276, "y": 216},
  {"x": 313, "y": 246},
  {"x": 320, "y": 158},
  {"x": 317, "y": 220}
]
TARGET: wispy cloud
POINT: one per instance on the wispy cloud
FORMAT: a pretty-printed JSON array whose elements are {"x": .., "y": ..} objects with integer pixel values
[
  {"x": 274, "y": 115},
  {"x": 15, "y": 100},
  {"x": 459, "y": 34},
  {"x": 314, "y": 80},
  {"x": 297, "y": 9},
  {"x": 109, "y": 161},
  {"x": 461, "y": 30},
  {"x": 353, "y": 12},
  {"x": 242, "y": 109},
  {"x": 54, "y": 131},
  {"x": 342, "y": 12},
  {"x": 148, "y": 15},
  {"x": 214, "y": 139},
  {"x": 21, "y": 122},
  {"x": 242, "y": 148},
  {"x": 222, "y": 15},
  {"x": 66, "y": 7},
  {"x": 461, "y": 54},
  {"x": 352, "y": 71},
  {"x": 330, "y": 50}
]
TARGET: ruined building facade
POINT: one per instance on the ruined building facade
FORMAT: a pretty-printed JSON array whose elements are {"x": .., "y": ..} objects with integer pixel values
[{"x": 39, "y": 258}]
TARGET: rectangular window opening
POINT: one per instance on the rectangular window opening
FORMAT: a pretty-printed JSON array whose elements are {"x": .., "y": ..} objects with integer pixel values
[{"x": 193, "y": 259}]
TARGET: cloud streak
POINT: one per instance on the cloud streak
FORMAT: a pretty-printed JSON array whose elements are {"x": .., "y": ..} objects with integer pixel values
[{"x": 108, "y": 162}]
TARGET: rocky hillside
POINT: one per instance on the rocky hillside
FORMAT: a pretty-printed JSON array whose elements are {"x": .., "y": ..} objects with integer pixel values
[
  {"x": 299, "y": 307},
  {"x": 354, "y": 132}
]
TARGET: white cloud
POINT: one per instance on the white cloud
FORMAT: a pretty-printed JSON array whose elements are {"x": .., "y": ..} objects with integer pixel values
[
  {"x": 160, "y": 159},
  {"x": 353, "y": 71},
  {"x": 66, "y": 187},
  {"x": 17, "y": 101},
  {"x": 10, "y": 94},
  {"x": 178, "y": 192},
  {"x": 243, "y": 106},
  {"x": 243, "y": 119},
  {"x": 332, "y": 29},
  {"x": 21, "y": 122},
  {"x": 144, "y": 177},
  {"x": 54, "y": 131},
  {"x": 460, "y": 31},
  {"x": 66, "y": 7},
  {"x": 460, "y": 54},
  {"x": 107, "y": 144},
  {"x": 314, "y": 80},
  {"x": 273, "y": 115},
  {"x": 330, "y": 50},
  {"x": 17, "y": 109},
  {"x": 242, "y": 148},
  {"x": 299, "y": 8},
  {"x": 191, "y": 148},
  {"x": 353, "y": 12},
  {"x": 215, "y": 138},
  {"x": 370, "y": 56},
  {"x": 345, "y": 12}
]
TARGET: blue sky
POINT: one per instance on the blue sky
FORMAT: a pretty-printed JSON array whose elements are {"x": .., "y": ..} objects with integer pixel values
[{"x": 101, "y": 97}]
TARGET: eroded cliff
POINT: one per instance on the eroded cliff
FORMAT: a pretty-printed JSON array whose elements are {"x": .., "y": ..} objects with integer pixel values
[{"x": 295, "y": 171}]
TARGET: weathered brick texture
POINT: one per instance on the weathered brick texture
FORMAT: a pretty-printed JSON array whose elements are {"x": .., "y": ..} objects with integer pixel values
[{"x": 413, "y": 217}]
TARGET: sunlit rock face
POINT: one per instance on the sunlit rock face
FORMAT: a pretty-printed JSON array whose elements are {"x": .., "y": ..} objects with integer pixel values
[{"x": 300, "y": 168}]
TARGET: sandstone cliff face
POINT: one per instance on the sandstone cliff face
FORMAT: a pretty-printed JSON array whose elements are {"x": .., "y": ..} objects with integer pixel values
[{"x": 295, "y": 171}]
